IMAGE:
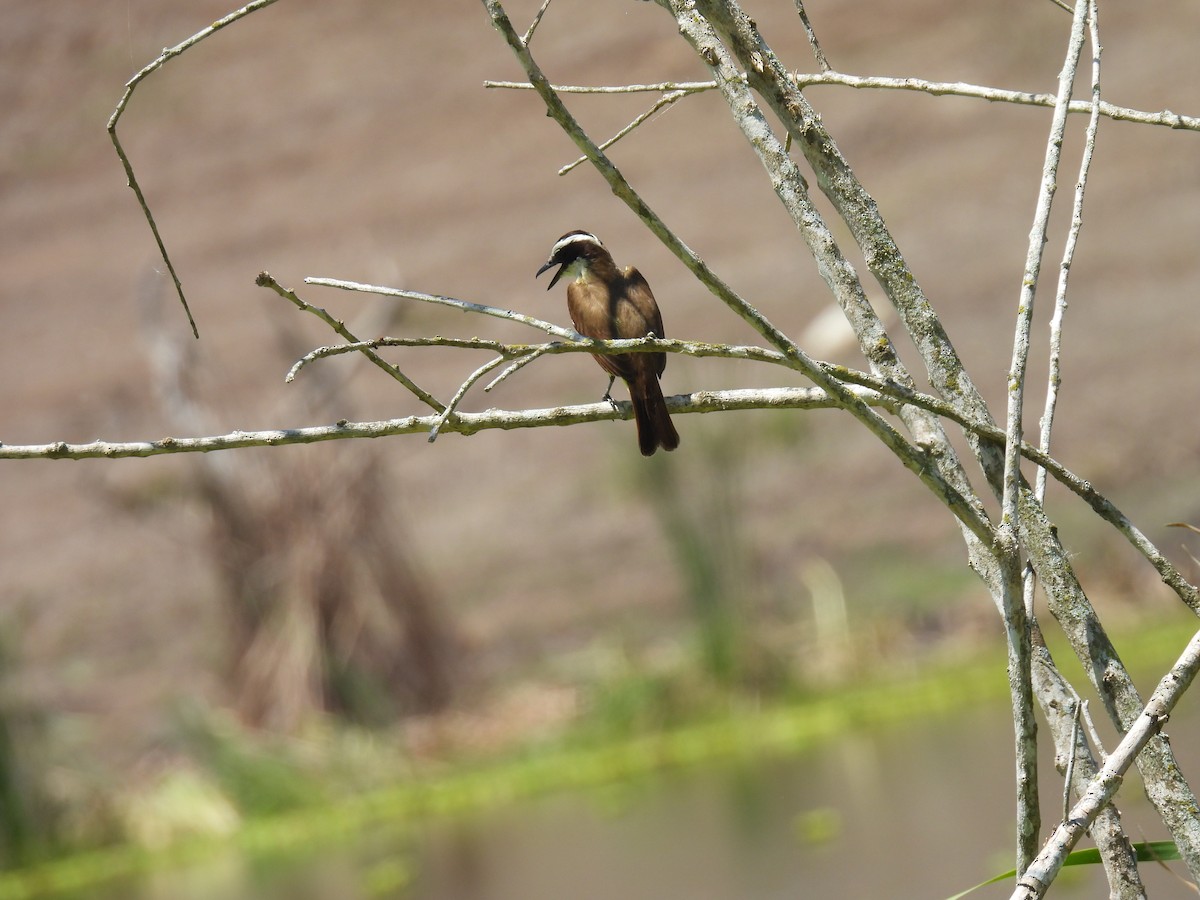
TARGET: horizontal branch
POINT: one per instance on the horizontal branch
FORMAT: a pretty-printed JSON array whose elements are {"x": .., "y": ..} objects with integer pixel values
[
  {"x": 462, "y": 423},
  {"x": 687, "y": 87},
  {"x": 438, "y": 300},
  {"x": 1164, "y": 117},
  {"x": 580, "y": 345}
]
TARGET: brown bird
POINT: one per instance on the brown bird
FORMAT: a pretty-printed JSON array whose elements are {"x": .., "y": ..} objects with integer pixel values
[{"x": 607, "y": 303}]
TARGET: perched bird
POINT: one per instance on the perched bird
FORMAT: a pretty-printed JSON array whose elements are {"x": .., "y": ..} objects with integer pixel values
[{"x": 607, "y": 303}]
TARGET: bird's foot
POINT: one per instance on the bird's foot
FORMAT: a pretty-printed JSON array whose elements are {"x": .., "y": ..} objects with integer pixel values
[{"x": 612, "y": 379}]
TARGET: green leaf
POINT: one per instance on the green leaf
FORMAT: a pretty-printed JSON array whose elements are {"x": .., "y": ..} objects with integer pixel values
[
  {"x": 1009, "y": 874},
  {"x": 1149, "y": 851}
]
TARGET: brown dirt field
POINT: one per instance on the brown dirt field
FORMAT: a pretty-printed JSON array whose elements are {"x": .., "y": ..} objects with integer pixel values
[{"x": 355, "y": 140}]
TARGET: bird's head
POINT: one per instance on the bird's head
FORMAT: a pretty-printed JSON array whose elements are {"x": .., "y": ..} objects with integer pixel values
[{"x": 572, "y": 253}]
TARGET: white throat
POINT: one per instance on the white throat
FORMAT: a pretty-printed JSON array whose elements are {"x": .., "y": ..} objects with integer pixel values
[{"x": 577, "y": 270}]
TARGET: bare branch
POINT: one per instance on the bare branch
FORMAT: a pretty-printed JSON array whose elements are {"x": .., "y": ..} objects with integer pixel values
[
  {"x": 460, "y": 393},
  {"x": 537, "y": 18},
  {"x": 264, "y": 279},
  {"x": 1038, "y": 877},
  {"x": 1164, "y": 118},
  {"x": 661, "y": 87},
  {"x": 462, "y": 423},
  {"x": 462, "y": 305},
  {"x": 1029, "y": 279},
  {"x": 1009, "y": 535},
  {"x": 580, "y": 344},
  {"x": 513, "y": 369},
  {"x": 158, "y": 62},
  {"x": 818, "y": 53},
  {"x": 662, "y": 103},
  {"x": 1054, "y": 378}
]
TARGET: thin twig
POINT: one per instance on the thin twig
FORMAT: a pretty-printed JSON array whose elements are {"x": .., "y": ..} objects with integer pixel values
[
  {"x": 522, "y": 351},
  {"x": 537, "y": 18},
  {"x": 1164, "y": 118},
  {"x": 462, "y": 305},
  {"x": 264, "y": 279},
  {"x": 1054, "y": 377},
  {"x": 131, "y": 85},
  {"x": 1020, "y": 680},
  {"x": 812, "y": 37},
  {"x": 1069, "y": 775},
  {"x": 512, "y": 369},
  {"x": 660, "y": 87},
  {"x": 460, "y": 393},
  {"x": 664, "y": 101},
  {"x": 1095, "y": 735}
]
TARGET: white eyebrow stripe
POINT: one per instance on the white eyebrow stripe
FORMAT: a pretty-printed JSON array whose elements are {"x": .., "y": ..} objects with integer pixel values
[{"x": 572, "y": 238}]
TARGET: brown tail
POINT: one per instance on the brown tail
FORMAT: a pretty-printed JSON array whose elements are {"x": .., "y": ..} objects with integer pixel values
[{"x": 654, "y": 425}]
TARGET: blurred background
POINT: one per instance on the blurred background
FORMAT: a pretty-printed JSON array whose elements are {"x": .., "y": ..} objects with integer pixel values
[{"x": 277, "y": 646}]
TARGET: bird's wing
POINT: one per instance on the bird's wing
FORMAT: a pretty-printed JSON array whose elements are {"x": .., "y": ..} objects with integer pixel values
[
  {"x": 641, "y": 298},
  {"x": 640, "y": 295}
]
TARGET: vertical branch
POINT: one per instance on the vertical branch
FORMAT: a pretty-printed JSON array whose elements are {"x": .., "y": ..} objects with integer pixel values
[
  {"x": 1008, "y": 540},
  {"x": 1054, "y": 378},
  {"x": 1020, "y": 685},
  {"x": 1033, "y": 265}
]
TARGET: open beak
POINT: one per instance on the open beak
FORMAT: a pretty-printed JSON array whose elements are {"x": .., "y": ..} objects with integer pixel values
[{"x": 550, "y": 265}]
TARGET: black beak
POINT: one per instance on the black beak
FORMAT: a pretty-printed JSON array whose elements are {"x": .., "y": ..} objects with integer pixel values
[{"x": 551, "y": 264}]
